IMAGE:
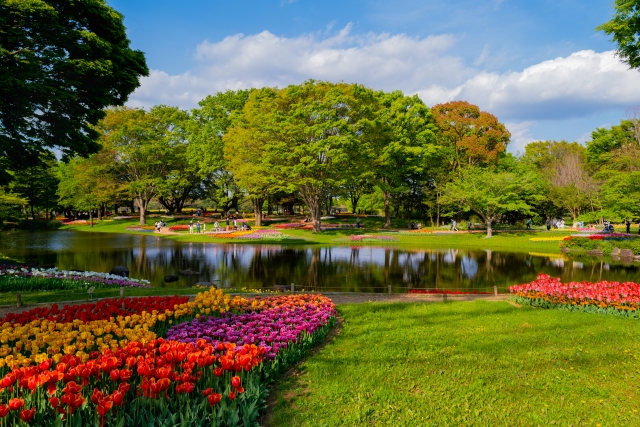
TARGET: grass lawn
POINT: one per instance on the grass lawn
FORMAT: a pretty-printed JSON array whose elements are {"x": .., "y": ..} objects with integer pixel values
[
  {"x": 467, "y": 364},
  {"x": 517, "y": 241}
]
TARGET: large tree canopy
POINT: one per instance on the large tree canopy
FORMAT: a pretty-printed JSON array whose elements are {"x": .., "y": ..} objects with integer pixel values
[
  {"x": 624, "y": 29},
  {"x": 61, "y": 63},
  {"x": 475, "y": 138}
]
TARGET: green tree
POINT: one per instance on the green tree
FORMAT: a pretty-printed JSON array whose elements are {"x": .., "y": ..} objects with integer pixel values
[
  {"x": 490, "y": 193},
  {"x": 624, "y": 29},
  {"x": 207, "y": 153},
  {"x": 143, "y": 144},
  {"x": 306, "y": 136},
  {"x": 62, "y": 62},
  {"x": 77, "y": 186},
  {"x": 37, "y": 184},
  {"x": 403, "y": 140}
]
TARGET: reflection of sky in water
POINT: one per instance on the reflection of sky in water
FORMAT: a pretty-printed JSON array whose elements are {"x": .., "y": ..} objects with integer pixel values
[
  {"x": 320, "y": 267},
  {"x": 469, "y": 267}
]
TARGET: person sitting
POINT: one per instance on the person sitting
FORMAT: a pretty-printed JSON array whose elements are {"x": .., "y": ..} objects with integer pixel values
[{"x": 412, "y": 226}]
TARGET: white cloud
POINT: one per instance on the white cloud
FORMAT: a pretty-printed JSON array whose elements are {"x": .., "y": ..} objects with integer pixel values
[
  {"x": 381, "y": 61},
  {"x": 579, "y": 85},
  {"x": 520, "y": 136}
]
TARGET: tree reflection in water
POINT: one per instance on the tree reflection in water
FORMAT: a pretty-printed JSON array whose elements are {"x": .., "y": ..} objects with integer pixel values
[{"x": 317, "y": 268}]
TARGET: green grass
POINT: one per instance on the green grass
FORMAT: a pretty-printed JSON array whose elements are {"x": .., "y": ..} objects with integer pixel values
[
  {"x": 467, "y": 364},
  {"x": 517, "y": 241}
]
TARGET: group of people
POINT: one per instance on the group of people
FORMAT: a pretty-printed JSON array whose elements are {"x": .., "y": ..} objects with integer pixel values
[
  {"x": 557, "y": 223},
  {"x": 196, "y": 227}
]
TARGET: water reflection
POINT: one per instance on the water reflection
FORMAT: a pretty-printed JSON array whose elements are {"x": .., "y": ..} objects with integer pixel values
[{"x": 339, "y": 268}]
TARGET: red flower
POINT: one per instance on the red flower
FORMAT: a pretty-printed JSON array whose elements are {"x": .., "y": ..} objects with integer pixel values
[
  {"x": 217, "y": 372},
  {"x": 54, "y": 401},
  {"x": 232, "y": 395},
  {"x": 26, "y": 415},
  {"x": 4, "y": 410},
  {"x": 214, "y": 398},
  {"x": 15, "y": 404},
  {"x": 207, "y": 392},
  {"x": 235, "y": 382}
]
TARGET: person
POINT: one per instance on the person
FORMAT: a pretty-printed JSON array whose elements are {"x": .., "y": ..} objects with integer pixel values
[
  {"x": 528, "y": 223},
  {"x": 412, "y": 226},
  {"x": 198, "y": 226},
  {"x": 453, "y": 225},
  {"x": 215, "y": 226},
  {"x": 469, "y": 226},
  {"x": 555, "y": 223},
  {"x": 548, "y": 224},
  {"x": 358, "y": 223},
  {"x": 628, "y": 224},
  {"x": 157, "y": 226},
  {"x": 191, "y": 227},
  {"x": 227, "y": 222},
  {"x": 235, "y": 224},
  {"x": 204, "y": 227}
]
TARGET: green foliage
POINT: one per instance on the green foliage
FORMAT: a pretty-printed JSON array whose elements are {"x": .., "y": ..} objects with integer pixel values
[
  {"x": 62, "y": 62},
  {"x": 491, "y": 193},
  {"x": 624, "y": 29},
  {"x": 499, "y": 366}
]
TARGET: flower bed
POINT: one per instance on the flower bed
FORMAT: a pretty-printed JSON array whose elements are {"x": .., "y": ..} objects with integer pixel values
[
  {"x": 447, "y": 292},
  {"x": 601, "y": 297},
  {"x": 14, "y": 279},
  {"x": 290, "y": 225},
  {"x": 88, "y": 372},
  {"x": 181, "y": 227},
  {"x": 372, "y": 238}
]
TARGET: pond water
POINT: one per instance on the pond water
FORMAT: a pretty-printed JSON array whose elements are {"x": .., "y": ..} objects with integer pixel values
[{"x": 321, "y": 268}]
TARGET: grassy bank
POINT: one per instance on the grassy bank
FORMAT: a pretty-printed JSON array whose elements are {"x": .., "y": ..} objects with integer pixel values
[
  {"x": 474, "y": 364},
  {"x": 517, "y": 241}
]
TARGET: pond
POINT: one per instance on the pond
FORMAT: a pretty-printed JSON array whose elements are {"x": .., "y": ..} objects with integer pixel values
[{"x": 317, "y": 268}]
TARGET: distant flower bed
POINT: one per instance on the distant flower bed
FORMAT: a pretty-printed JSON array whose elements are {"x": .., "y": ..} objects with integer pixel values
[
  {"x": 372, "y": 238},
  {"x": 447, "y": 292},
  {"x": 180, "y": 227},
  {"x": 14, "y": 279},
  {"x": 606, "y": 242},
  {"x": 601, "y": 297},
  {"x": 75, "y": 222},
  {"x": 290, "y": 225},
  {"x": 548, "y": 239},
  {"x": 262, "y": 234}
]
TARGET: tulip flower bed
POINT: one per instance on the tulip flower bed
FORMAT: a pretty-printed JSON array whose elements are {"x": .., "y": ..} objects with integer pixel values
[
  {"x": 622, "y": 299},
  {"x": 104, "y": 364},
  {"x": 14, "y": 279},
  {"x": 289, "y": 225},
  {"x": 182, "y": 227},
  {"x": 372, "y": 238}
]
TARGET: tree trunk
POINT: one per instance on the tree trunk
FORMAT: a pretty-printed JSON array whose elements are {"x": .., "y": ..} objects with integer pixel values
[
  {"x": 143, "y": 211},
  {"x": 257, "y": 210},
  {"x": 33, "y": 215},
  {"x": 99, "y": 212},
  {"x": 354, "y": 204},
  {"x": 387, "y": 209},
  {"x": 91, "y": 217},
  {"x": 315, "y": 218},
  {"x": 489, "y": 227}
]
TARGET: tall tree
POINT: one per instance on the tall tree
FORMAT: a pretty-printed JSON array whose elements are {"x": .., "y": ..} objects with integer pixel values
[
  {"x": 624, "y": 29},
  {"x": 476, "y": 137},
  {"x": 490, "y": 193},
  {"x": 62, "y": 62},
  {"x": 143, "y": 144},
  {"x": 306, "y": 136},
  {"x": 405, "y": 137},
  {"x": 37, "y": 184},
  {"x": 206, "y": 150}
]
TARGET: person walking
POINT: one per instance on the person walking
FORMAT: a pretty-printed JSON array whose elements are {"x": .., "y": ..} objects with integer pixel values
[
  {"x": 548, "y": 224},
  {"x": 528, "y": 223},
  {"x": 453, "y": 225},
  {"x": 204, "y": 227},
  {"x": 628, "y": 224},
  {"x": 191, "y": 227},
  {"x": 469, "y": 226},
  {"x": 227, "y": 222},
  {"x": 198, "y": 227},
  {"x": 215, "y": 226}
]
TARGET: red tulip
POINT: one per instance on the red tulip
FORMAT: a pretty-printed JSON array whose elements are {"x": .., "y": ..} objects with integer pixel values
[
  {"x": 214, "y": 398},
  {"x": 26, "y": 415},
  {"x": 15, "y": 404}
]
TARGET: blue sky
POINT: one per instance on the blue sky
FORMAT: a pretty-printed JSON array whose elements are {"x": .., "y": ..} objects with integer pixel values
[{"x": 540, "y": 66}]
